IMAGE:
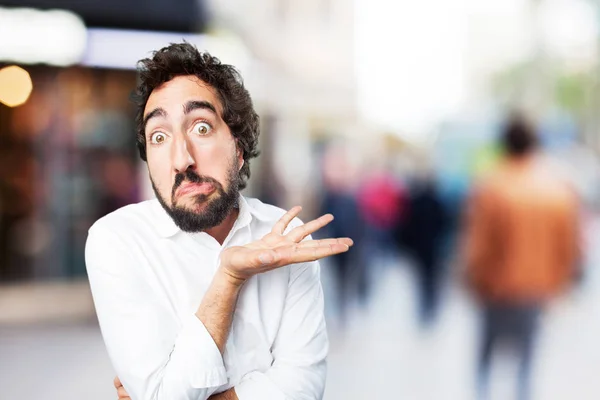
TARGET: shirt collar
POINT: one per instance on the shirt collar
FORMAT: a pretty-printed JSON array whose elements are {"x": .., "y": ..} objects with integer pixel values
[{"x": 166, "y": 227}]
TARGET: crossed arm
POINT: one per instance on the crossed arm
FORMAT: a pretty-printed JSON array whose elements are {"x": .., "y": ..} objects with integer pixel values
[{"x": 226, "y": 395}]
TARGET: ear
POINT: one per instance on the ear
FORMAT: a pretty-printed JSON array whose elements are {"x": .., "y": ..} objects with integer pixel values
[{"x": 240, "y": 157}]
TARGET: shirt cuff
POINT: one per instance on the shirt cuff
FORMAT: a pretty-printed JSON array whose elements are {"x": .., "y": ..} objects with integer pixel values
[
  {"x": 257, "y": 386},
  {"x": 200, "y": 356}
]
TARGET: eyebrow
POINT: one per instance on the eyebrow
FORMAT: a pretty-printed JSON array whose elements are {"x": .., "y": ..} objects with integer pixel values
[
  {"x": 187, "y": 108},
  {"x": 197, "y": 104},
  {"x": 157, "y": 112}
]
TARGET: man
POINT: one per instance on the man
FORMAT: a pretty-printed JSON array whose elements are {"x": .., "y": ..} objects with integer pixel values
[
  {"x": 521, "y": 247},
  {"x": 203, "y": 293}
]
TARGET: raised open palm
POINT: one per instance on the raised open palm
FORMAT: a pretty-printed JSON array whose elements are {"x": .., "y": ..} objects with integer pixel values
[{"x": 276, "y": 249}]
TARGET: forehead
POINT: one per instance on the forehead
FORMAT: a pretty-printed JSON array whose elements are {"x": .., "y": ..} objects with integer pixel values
[{"x": 179, "y": 91}]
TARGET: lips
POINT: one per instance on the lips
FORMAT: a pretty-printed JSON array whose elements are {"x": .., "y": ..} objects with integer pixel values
[{"x": 195, "y": 188}]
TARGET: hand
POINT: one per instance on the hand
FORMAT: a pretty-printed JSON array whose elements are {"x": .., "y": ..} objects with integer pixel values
[
  {"x": 120, "y": 389},
  {"x": 276, "y": 249},
  {"x": 229, "y": 394}
]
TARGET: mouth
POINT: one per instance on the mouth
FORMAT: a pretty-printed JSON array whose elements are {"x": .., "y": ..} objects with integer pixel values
[{"x": 194, "y": 189}]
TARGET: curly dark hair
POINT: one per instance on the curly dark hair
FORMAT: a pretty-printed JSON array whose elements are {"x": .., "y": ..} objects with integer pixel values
[{"x": 180, "y": 59}]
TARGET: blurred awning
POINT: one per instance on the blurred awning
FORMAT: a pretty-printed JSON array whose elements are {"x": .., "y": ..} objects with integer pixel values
[
  {"x": 135, "y": 45},
  {"x": 59, "y": 37},
  {"x": 156, "y": 15}
]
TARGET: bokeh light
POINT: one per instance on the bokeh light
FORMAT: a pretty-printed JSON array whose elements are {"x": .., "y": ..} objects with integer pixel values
[{"x": 15, "y": 86}]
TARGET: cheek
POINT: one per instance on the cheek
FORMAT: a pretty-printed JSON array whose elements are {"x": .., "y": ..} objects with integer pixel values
[
  {"x": 213, "y": 159},
  {"x": 160, "y": 172}
]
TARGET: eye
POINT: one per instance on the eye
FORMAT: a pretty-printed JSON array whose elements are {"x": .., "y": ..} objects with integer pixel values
[
  {"x": 202, "y": 128},
  {"x": 157, "y": 138}
]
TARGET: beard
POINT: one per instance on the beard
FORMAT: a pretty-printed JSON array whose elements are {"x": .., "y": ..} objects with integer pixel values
[{"x": 215, "y": 210}]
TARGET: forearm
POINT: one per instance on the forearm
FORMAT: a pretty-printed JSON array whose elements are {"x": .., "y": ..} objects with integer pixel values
[
  {"x": 217, "y": 308},
  {"x": 226, "y": 395},
  {"x": 215, "y": 314}
]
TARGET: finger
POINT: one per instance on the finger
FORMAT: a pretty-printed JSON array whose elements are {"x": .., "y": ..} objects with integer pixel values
[
  {"x": 326, "y": 242},
  {"x": 299, "y": 233},
  {"x": 267, "y": 260},
  {"x": 117, "y": 382},
  {"x": 316, "y": 253},
  {"x": 122, "y": 393},
  {"x": 284, "y": 221},
  {"x": 298, "y": 254}
]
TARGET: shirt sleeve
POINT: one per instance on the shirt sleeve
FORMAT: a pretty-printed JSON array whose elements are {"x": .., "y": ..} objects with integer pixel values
[
  {"x": 156, "y": 356},
  {"x": 300, "y": 349}
]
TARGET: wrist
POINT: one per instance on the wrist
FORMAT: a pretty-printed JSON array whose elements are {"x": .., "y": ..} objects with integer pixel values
[{"x": 227, "y": 278}]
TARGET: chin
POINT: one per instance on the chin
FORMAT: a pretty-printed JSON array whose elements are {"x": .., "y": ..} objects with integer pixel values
[
  {"x": 194, "y": 203},
  {"x": 198, "y": 208}
]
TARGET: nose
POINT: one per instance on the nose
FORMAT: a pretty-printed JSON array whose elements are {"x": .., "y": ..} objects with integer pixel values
[{"x": 182, "y": 157}]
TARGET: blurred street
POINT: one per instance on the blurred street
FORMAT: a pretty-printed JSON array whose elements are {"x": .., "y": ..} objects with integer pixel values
[
  {"x": 381, "y": 353},
  {"x": 456, "y": 142}
]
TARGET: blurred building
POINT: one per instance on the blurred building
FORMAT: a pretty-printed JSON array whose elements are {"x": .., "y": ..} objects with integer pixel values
[
  {"x": 68, "y": 154},
  {"x": 302, "y": 81},
  {"x": 413, "y": 88},
  {"x": 153, "y": 15}
]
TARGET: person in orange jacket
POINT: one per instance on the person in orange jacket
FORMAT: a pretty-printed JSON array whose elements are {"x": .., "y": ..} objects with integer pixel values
[{"x": 521, "y": 247}]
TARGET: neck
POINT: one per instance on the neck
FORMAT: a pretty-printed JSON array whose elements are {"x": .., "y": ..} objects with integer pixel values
[{"x": 221, "y": 231}]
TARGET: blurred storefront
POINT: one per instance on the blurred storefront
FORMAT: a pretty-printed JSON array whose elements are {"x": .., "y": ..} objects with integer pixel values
[
  {"x": 68, "y": 155},
  {"x": 67, "y": 159}
]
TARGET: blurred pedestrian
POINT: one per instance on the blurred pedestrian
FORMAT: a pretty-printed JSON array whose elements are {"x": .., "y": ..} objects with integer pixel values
[
  {"x": 346, "y": 268},
  {"x": 420, "y": 234},
  {"x": 381, "y": 201},
  {"x": 521, "y": 248},
  {"x": 339, "y": 199}
]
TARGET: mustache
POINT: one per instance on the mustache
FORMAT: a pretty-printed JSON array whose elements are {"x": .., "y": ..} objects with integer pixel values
[{"x": 193, "y": 177}]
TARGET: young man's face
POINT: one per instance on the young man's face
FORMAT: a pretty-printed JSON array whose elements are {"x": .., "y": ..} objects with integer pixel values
[{"x": 192, "y": 157}]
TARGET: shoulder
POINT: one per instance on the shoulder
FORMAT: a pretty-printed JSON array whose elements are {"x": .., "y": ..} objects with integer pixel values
[
  {"x": 115, "y": 241},
  {"x": 126, "y": 228},
  {"x": 128, "y": 219}
]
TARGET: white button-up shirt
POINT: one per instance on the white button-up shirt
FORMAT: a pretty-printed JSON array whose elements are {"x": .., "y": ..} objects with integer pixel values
[{"x": 148, "y": 278}]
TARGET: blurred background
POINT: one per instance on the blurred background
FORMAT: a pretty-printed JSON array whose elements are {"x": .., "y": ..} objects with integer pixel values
[{"x": 383, "y": 113}]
